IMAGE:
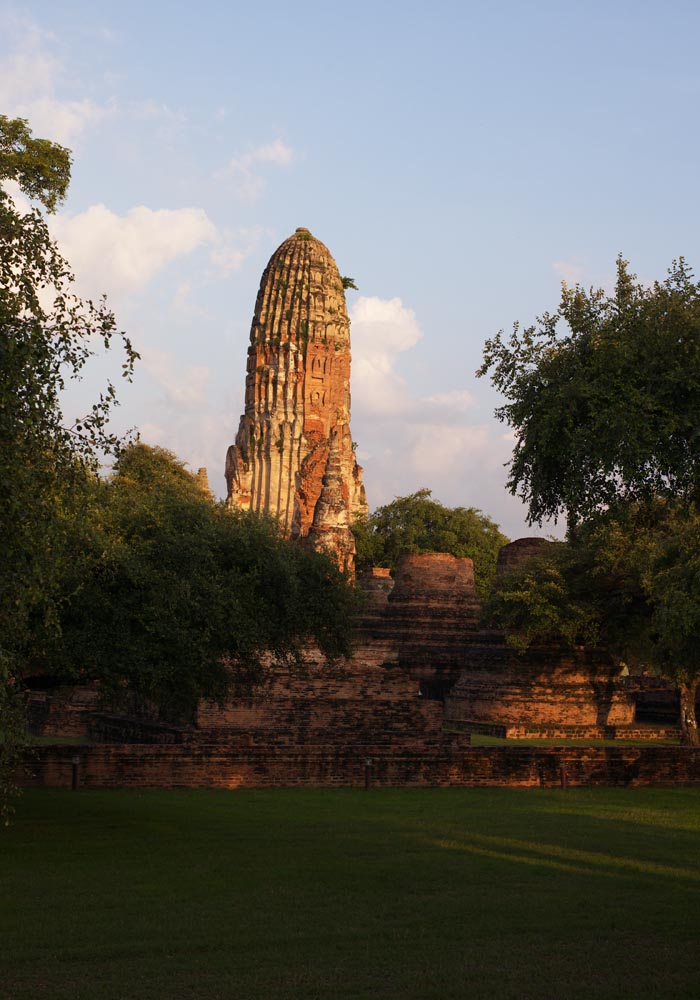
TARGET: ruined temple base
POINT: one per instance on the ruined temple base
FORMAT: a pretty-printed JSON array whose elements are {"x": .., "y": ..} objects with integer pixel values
[
  {"x": 545, "y": 689},
  {"x": 454, "y": 764},
  {"x": 638, "y": 733}
]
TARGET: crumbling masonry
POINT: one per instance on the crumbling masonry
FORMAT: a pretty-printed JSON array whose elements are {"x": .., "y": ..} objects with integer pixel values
[{"x": 294, "y": 455}]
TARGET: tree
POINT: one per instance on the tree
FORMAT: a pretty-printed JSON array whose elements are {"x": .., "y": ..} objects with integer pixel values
[
  {"x": 605, "y": 413},
  {"x": 191, "y": 599},
  {"x": 628, "y": 580},
  {"x": 417, "y": 523},
  {"x": 603, "y": 396},
  {"x": 41, "y": 348},
  {"x": 645, "y": 563},
  {"x": 671, "y": 582},
  {"x": 546, "y": 600}
]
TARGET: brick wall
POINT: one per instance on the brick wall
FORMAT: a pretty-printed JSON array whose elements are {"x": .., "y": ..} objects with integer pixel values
[
  {"x": 65, "y": 712},
  {"x": 449, "y": 763},
  {"x": 546, "y": 687}
]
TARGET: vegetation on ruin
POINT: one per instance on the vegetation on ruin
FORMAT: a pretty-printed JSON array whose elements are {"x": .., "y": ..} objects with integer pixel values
[
  {"x": 190, "y": 597},
  {"x": 402, "y": 894},
  {"x": 545, "y": 600},
  {"x": 417, "y": 523},
  {"x": 604, "y": 396},
  {"x": 629, "y": 580}
]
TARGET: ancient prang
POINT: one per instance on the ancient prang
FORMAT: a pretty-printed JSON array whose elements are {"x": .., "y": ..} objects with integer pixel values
[{"x": 294, "y": 455}]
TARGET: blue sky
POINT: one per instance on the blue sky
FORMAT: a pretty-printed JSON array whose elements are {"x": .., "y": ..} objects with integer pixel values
[{"x": 458, "y": 159}]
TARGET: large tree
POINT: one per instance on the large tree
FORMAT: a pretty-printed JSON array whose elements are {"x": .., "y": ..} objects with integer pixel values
[
  {"x": 417, "y": 523},
  {"x": 604, "y": 397},
  {"x": 47, "y": 336}
]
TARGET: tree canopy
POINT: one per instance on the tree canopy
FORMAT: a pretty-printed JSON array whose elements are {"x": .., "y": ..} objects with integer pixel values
[
  {"x": 417, "y": 523},
  {"x": 628, "y": 580},
  {"x": 42, "y": 347},
  {"x": 190, "y": 598},
  {"x": 605, "y": 413},
  {"x": 604, "y": 396},
  {"x": 546, "y": 599},
  {"x": 40, "y": 167},
  {"x": 47, "y": 336}
]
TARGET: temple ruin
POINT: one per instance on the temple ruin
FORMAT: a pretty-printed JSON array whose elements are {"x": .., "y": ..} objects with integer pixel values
[
  {"x": 294, "y": 455},
  {"x": 425, "y": 677}
]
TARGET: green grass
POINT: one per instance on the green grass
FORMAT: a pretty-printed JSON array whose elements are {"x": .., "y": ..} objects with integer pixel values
[
  {"x": 295, "y": 893},
  {"x": 482, "y": 740}
]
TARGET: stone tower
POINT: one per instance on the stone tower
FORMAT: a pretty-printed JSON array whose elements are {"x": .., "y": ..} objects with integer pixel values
[{"x": 294, "y": 455}]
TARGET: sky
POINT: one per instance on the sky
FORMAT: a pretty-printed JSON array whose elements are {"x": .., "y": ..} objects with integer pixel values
[{"x": 459, "y": 160}]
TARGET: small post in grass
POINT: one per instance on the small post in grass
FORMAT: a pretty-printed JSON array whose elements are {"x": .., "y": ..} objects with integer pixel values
[
  {"x": 75, "y": 764},
  {"x": 563, "y": 776},
  {"x": 368, "y": 773}
]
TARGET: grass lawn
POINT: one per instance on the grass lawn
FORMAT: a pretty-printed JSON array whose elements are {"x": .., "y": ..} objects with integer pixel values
[
  {"x": 482, "y": 740},
  {"x": 295, "y": 893}
]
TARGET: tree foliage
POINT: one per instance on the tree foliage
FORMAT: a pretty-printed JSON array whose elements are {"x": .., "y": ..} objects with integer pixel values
[
  {"x": 47, "y": 336},
  {"x": 604, "y": 396},
  {"x": 648, "y": 559},
  {"x": 41, "y": 168},
  {"x": 178, "y": 598},
  {"x": 417, "y": 523},
  {"x": 545, "y": 600},
  {"x": 628, "y": 579},
  {"x": 42, "y": 347},
  {"x": 605, "y": 413}
]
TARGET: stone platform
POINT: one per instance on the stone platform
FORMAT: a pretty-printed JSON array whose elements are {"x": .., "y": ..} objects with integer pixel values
[{"x": 237, "y": 764}]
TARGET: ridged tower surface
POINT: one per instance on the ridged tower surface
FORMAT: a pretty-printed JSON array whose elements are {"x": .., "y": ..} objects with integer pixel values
[{"x": 294, "y": 456}]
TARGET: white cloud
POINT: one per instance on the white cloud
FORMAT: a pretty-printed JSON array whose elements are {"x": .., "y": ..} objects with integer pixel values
[
  {"x": 233, "y": 248},
  {"x": 30, "y": 79},
  {"x": 410, "y": 437},
  {"x": 277, "y": 152},
  {"x": 437, "y": 449},
  {"x": 380, "y": 330},
  {"x": 571, "y": 271},
  {"x": 241, "y": 170},
  {"x": 111, "y": 252},
  {"x": 456, "y": 400},
  {"x": 38, "y": 86},
  {"x": 182, "y": 299},
  {"x": 183, "y": 389}
]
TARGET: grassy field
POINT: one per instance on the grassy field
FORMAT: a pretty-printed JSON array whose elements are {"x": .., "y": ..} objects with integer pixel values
[
  {"x": 485, "y": 893},
  {"x": 481, "y": 740}
]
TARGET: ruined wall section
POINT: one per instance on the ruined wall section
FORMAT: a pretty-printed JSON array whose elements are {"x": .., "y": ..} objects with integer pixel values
[{"x": 296, "y": 427}]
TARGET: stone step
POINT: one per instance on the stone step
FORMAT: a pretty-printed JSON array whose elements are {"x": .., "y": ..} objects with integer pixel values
[{"x": 514, "y": 731}]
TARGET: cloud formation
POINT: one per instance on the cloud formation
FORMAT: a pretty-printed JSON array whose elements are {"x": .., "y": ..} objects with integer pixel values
[
  {"x": 30, "y": 78},
  {"x": 381, "y": 329},
  {"x": 409, "y": 439},
  {"x": 181, "y": 389},
  {"x": 243, "y": 170},
  {"x": 232, "y": 248},
  {"x": 570, "y": 271},
  {"x": 117, "y": 253}
]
